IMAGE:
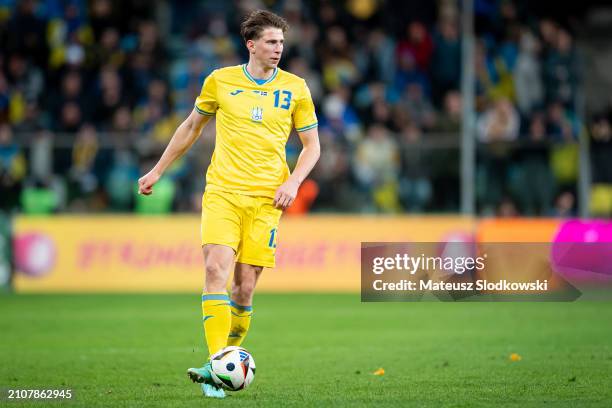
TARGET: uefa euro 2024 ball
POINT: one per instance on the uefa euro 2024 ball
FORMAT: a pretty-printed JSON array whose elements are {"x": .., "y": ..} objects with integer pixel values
[{"x": 233, "y": 368}]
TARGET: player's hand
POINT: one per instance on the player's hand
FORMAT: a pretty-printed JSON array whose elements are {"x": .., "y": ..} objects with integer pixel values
[
  {"x": 146, "y": 182},
  {"x": 285, "y": 194}
]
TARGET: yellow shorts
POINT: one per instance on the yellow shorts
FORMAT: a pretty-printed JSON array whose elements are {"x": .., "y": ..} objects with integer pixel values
[{"x": 248, "y": 224}]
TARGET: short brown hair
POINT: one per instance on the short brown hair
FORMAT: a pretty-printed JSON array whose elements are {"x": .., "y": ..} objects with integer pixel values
[{"x": 257, "y": 21}]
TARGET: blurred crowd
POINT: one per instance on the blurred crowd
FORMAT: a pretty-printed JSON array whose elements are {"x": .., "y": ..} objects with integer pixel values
[{"x": 91, "y": 92}]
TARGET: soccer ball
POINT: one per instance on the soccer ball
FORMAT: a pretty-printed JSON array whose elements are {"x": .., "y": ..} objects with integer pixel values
[{"x": 233, "y": 368}]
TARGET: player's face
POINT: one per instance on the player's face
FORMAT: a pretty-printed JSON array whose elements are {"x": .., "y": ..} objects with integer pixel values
[{"x": 268, "y": 48}]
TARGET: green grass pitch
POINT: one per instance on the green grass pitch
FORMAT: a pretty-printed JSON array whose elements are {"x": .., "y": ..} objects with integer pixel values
[{"x": 311, "y": 350}]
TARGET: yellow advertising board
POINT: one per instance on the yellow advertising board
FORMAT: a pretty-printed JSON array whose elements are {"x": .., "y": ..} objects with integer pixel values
[
  {"x": 162, "y": 254},
  {"x": 517, "y": 229}
]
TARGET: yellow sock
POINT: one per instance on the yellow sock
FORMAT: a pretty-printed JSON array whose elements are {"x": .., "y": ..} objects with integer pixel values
[
  {"x": 241, "y": 320},
  {"x": 217, "y": 320}
]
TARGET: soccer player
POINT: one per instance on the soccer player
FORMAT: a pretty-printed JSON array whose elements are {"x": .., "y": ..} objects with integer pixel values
[{"x": 248, "y": 183}]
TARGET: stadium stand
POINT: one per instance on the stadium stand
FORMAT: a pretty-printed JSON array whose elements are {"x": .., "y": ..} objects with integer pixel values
[{"x": 91, "y": 91}]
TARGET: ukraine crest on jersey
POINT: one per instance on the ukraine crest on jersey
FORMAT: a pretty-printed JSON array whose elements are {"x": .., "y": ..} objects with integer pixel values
[{"x": 253, "y": 125}]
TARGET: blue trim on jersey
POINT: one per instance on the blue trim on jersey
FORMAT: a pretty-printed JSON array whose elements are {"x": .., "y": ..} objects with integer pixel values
[
  {"x": 203, "y": 112},
  {"x": 214, "y": 297},
  {"x": 240, "y": 307},
  {"x": 314, "y": 125},
  {"x": 259, "y": 81}
]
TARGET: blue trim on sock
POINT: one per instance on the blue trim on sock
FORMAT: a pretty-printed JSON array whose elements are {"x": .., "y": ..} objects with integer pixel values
[
  {"x": 240, "y": 307},
  {"x": 214, "y": 297}
]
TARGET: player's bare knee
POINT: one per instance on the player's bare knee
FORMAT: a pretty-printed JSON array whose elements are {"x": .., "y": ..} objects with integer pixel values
[
  {"x": 235, "y": 288},
  {"x": 216, "y": 276},
  {"x": 242, "y": 292},
  {"x": 214, "y": 269}
]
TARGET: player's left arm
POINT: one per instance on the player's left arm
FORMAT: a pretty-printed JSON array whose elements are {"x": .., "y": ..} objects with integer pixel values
[{"x": 311, "y": 150}]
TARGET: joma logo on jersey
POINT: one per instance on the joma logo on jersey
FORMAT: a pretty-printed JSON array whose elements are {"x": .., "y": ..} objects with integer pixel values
[
  {"x": 257, "y": 114},
  {"x": 236, "y": 92}
]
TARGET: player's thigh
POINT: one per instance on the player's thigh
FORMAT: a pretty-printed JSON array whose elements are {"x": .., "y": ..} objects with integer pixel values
[
  {"x": 221, "y": 220},
  {"x": 218, "y": 261},
  {"x": 218, "y": 257},
  {"x": 260, "y": 235}
]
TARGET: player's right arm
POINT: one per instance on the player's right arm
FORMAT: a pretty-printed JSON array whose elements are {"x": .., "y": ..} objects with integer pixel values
[{"x": 184, "y": 137}]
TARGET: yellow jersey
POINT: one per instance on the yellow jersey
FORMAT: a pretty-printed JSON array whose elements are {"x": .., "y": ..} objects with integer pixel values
[{"x": 254, "y": 119}]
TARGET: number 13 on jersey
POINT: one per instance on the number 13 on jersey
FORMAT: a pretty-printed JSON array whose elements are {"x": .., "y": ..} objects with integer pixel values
[{"x": 282, "y": 97}]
